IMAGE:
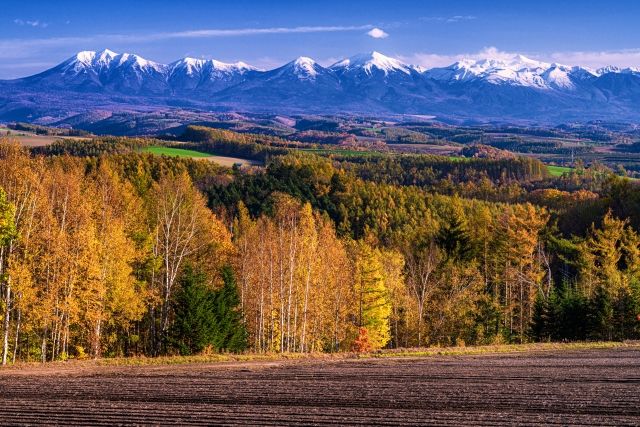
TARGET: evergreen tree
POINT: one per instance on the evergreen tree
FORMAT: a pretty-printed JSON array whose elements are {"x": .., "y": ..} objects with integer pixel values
[
  {"x": 195, "y": 326},
  {"x": 455, "y": 240},
  {"x": 540, "y": 322},
  {"x": 600, "y": 315},
  {"x": 625, "y": 312},
  {"x": 572, "y": 316},
  {"x": 230, "y": 331}
]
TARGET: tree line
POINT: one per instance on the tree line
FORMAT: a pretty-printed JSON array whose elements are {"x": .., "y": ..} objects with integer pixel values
[{"x": 131, "y": 254}]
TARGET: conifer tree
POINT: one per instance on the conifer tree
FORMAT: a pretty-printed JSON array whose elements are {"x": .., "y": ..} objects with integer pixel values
[
  {"x": 230, "y": 331},
  {"x": 455, "y": 240},
  {"x": 539, "y": 322},
  {"x": 195, "y": 324},
  {"x": 600, "y": 315}
]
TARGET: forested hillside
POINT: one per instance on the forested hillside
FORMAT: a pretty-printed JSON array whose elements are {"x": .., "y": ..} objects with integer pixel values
[{"x": 107, "y": 251}]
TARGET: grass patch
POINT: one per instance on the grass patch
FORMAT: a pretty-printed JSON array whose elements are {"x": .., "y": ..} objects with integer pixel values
[
  {"x": 267, "y": 357},
  {"x": 458, "y": 158},
  {"x": 174, "y": 152},
  {"x": 558, "y": 170},
  {"x": 497, "y": 349}
]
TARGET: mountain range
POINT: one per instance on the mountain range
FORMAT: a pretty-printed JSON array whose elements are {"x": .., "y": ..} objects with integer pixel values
[{"x": 512, "y": 89}]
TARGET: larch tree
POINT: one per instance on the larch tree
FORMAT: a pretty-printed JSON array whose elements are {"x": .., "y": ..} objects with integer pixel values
[
  {"x": 609, "y": 257},
  {"x": 373, "y": 304},
  {"x": 520, "y": 228}
]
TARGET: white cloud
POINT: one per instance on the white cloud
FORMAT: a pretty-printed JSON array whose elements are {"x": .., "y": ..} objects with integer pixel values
[
  {"x": 36, "y": 23},
  {"x": 459, "y": 18},
  {"x": 241, "y": 32},
  {"x": 23, "y": 48},
  {"x": 431, "y": 60},
  {"x": 377, "y": 33},
  {"x": 448, "y": 19}
]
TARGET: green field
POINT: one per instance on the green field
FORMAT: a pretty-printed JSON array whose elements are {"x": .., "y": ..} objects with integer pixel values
[
  {"x": 558, "y": 170},
  {"x": 192, "y": 154},
  {"x": 174, "y": 152}
]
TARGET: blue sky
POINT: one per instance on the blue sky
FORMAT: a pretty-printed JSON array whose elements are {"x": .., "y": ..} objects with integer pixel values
[{"x": 35, "y": 35}]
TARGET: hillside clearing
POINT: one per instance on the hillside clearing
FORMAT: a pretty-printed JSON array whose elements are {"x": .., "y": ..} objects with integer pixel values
[
  {"x": 558, "y": 170},
  {"x": 181, "y": 152}
]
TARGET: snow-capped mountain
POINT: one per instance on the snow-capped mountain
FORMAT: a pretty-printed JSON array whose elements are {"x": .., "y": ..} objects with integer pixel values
[
  {"x": 301, "y": 81},
  {"x": 370, "y": 64},
  {"x": 493, "y": 88},
  {"x": 304, "y": 68},
  {"x": 516, "y": 71},
  {"x": 380, "y": 78},
  {"x": 211, "y": 75},
  {"x": 106, "y": 70}
]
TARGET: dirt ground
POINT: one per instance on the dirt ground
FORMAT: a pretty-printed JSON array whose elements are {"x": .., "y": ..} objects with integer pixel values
[
  {"x": 230, "y": 161},
  {"x": 32, "y": 140},
  {"x": 597, "y": 387}
]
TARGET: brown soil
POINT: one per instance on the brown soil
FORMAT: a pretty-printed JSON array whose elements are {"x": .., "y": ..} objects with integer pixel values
[{"x": 598, "y": 387}]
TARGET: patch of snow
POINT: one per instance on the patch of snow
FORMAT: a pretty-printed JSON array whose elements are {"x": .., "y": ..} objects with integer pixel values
[
  {"x": 305, "y": 68},
  {"x": 369, "y": 62}
]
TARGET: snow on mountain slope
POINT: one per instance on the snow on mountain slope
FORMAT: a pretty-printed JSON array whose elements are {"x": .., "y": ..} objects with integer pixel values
[
  {"x": 107, "y": 70},
  {"x": 617, "y": 70},
  {"x": 520, "y": 70},
  {"x": 370, "y": 63},
  {"x": 191, "y": 73},
  {"x": 304, "y": 68},
  {"x": 192, "y": 67},
  {"x": 107, "y": 61},
  {"x": 516, "y": 71}
]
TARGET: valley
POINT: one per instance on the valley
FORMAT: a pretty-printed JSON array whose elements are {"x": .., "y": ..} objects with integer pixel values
[{"x": 611, "y": 144}]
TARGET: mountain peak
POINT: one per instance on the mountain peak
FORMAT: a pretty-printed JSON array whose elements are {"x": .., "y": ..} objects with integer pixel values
[
  {"x": 305, "y": 67},
  {"x": 304, "y": 61},
  {"x": 107, "y": 53},
  {"x": 86, "y": 56},
  {"x": 372, "y": 61},
  {"x": 105, "y": 57}
]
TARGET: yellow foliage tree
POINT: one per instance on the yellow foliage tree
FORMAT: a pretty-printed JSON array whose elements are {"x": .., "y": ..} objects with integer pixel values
[{"x": 373, "y": 303}]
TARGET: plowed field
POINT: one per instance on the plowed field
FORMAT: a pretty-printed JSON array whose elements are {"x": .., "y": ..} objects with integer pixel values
[{"x": 598, "y": 387}]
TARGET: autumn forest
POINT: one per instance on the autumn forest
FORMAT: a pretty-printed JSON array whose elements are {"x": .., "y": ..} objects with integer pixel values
[{"x": 108, "y": 251}]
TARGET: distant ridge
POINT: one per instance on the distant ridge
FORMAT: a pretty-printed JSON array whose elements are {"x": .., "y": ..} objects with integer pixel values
[{"x": 481, "y": 89}]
